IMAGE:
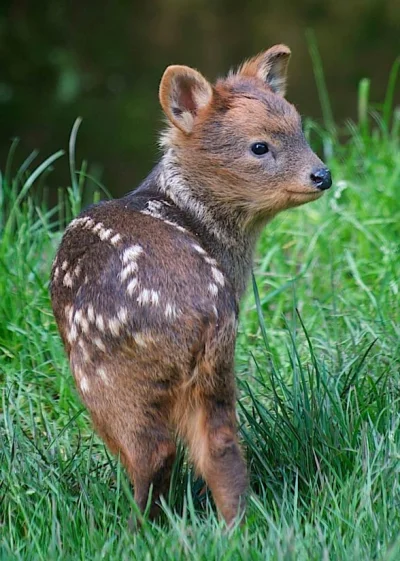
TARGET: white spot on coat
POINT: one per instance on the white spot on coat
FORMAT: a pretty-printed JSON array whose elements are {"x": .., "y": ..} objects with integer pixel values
[
  {"x": 78, "y": 316},
  {"x": 74, "y": 223},
  {"x": 89, "y": 223},
  {"x": 132, "y": 286},
  {"x": 154, "y": 206},
  {"x": 213, "y": 288},
  {"x": 67, "y": 280},
  {"x": 90, "y": 313},
  {"x": 175, "y": 225},
  {"x": 122, "y": 314},
  {"x": 99, "y": 343},
  {"x": 199, "y": 249},
  {"x": 105, "y": 234},
  {"x": 218, "y": 276},
  {"x": 85, "y": 325},
  {"x": 128, "y": 270},
  {"x": 154, "y": 297},
  {"x": 103, "y": 375},
  {"x": 100, "y": 322},
  {"x": 144, "y": 297},
  {"x": 171, "y": 311},
  {"x": 99, "y": 226},
  {"x": 77, "y": 270},
  {"x": 64, "y": 266},
  {"x": 115, "y": 239},
  {"x": 147, "y": 296},
  {"x": 114, "y": 326},
  {"x": 79, "y": 319},
  {"x": 155, "y": 209},
  {"x": 85, "y": 353},
  {"x": 56, "y": 273},
  {"x": 73, "y": 334},
  {"x": 69, "y": 312},
  {"x": 79, "y": 221},
  {"x": 84, "y": 384},
  {"x": 131, "y": 253}
]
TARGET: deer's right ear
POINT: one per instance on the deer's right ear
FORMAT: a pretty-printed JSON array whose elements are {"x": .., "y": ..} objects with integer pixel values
[{"x": 183, "y": 93}]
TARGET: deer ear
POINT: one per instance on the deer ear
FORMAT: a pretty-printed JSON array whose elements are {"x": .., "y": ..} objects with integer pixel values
[
  {"x": 270, "y": 66},
  {"x": 183, "y": 93}
]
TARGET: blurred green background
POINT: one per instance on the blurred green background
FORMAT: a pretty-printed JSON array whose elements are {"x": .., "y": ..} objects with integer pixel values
[{"x": 102, "y": 60}]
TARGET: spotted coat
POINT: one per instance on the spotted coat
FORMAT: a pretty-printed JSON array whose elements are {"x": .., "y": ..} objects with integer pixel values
[
  {"x": 130, "y": 274},
  {"x": 145, "y": 289}
]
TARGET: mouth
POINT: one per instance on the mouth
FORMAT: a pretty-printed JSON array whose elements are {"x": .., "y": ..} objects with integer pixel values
[{"x": 314, "y": 194}]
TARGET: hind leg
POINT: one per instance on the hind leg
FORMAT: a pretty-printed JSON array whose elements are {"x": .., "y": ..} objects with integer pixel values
[
  {"x": 208, "y": 421},
  {"x": 131, "y": 413},
  {"x": 151, "y": 468},
  {"x": 215, "y": 451},
  {"x": 148, "y": 454}
]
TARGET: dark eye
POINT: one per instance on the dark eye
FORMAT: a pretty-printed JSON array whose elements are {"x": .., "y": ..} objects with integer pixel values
[{"x": 259, "y": 148}]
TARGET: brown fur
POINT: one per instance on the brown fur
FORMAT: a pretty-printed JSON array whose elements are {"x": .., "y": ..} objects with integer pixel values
[{"x": 145, "y": 289}]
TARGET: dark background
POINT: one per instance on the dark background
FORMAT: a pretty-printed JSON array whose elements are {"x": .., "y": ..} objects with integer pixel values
[{"x": 103, "y": 61}]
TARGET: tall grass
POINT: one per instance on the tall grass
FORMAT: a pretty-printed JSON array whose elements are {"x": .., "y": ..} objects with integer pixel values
[{"x": 317, "y": 364}]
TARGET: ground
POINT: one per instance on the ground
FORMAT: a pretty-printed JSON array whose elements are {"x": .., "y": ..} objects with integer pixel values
[{"x": 318, "y": 369}]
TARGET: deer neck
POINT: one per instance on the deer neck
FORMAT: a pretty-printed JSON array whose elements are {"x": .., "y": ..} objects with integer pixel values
[{"x": 220, "y": 230}]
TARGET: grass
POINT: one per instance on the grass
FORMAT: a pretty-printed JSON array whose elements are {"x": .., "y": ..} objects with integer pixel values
[{"x": 318, "y": 370}]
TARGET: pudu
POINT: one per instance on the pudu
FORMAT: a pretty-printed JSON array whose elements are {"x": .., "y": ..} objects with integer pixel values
[{"x": 145, "y": 289}]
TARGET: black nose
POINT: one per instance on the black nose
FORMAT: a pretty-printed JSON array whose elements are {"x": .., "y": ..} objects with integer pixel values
[{"x": 321, "y": 178}]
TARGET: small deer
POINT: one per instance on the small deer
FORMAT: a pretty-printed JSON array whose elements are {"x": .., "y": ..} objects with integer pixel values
[{"x": 145, "y": 289}]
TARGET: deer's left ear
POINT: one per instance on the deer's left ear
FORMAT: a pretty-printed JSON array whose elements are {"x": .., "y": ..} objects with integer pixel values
[
  {"x": 183, "y": 93},
  {"x": 270, "y": 66}
]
